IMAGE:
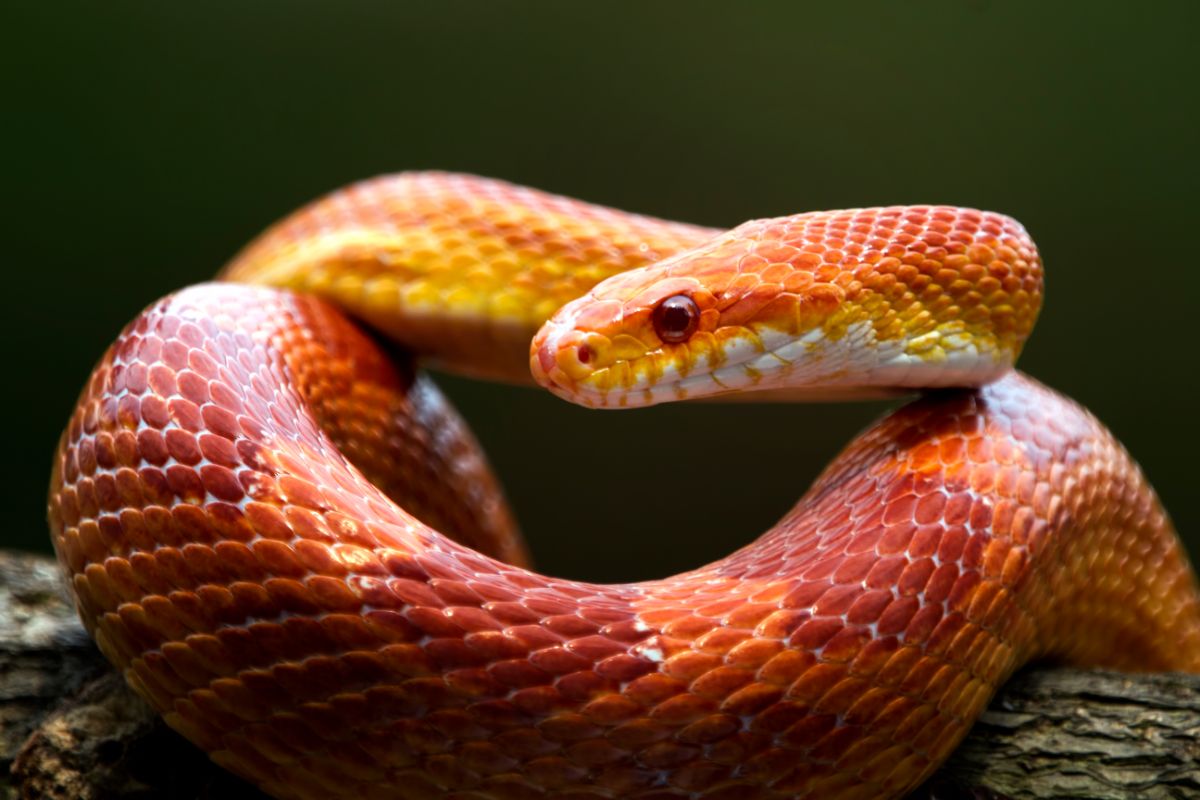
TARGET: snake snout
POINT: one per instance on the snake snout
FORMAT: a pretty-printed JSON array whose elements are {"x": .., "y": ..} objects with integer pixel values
[
  {"x": 546, "y": 359},
  {"x": 541, "y": 360},
  {"x": 569, "y": 361}
]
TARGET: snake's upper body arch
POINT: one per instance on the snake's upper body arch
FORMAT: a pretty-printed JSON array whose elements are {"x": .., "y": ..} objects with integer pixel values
[{"x": 295, "y": 551}]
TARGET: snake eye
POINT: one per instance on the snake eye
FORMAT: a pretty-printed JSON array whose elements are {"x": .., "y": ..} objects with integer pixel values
[{"x": 676, "y": 318}]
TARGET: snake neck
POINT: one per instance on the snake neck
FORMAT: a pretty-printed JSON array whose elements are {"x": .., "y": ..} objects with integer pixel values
[{"x": 461, "y": 269}]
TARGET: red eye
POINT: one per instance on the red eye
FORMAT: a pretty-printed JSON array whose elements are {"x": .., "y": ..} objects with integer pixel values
[{"x": 676, "y": 318}]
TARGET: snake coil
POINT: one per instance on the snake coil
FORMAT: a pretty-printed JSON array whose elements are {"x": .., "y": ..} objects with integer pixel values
[{"x": 293, "y": 548}]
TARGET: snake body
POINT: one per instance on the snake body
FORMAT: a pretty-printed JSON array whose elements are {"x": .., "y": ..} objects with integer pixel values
[{"x": 292, "y": 547}]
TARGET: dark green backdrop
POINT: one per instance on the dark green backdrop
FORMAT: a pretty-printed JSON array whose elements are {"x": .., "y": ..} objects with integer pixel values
[{"x": 147, "y": 141}]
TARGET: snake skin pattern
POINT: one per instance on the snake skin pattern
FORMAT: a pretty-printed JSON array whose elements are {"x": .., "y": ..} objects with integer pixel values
[{"x": 292, "y": 547}]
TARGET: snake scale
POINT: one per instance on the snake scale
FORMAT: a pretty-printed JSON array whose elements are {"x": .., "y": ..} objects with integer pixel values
[{"x": 291, "y": 546}]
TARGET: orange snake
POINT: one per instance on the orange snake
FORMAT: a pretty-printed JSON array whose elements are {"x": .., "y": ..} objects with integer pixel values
[{"x": 292, "y": 547}]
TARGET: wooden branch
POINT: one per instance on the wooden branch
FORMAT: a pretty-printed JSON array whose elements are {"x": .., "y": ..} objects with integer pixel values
[
  {"x": 1059, "y": 733},
  {"x": 70, "y": 728}
]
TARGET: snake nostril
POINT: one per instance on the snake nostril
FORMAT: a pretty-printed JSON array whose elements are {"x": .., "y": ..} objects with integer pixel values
[{"x": 584, "y": 354}]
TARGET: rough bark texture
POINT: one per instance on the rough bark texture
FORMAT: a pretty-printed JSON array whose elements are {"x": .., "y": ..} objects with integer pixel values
[
  {"x": 70, "y": 728},
  {"x": 45, "y": 654}
]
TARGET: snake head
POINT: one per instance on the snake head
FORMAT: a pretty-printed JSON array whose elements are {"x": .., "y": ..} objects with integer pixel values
[{"x": 813, "y": 306}]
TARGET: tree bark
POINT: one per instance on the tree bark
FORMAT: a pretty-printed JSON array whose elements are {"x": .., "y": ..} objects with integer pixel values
[{"x": 71, "y": 728}]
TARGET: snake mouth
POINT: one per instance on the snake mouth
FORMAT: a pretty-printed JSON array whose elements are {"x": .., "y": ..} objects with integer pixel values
[
  {"x": 748, "y": 365},
  {"x": 587, "y": 368}
]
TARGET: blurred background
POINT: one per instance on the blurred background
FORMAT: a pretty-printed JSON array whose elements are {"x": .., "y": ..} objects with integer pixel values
[{"x": 146, "y": 142}]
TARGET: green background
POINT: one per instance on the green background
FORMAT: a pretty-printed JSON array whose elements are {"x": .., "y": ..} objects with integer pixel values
[{"x": 147, "y": 141}]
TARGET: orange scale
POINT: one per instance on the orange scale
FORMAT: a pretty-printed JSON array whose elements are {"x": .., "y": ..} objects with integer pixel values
[
  {"x": 185, "y": 414},
  {"x": 881, "y": 762},
  {"x": 700, "y": 775},
  {"x": 305, "y": 684},
  {"x": 303, "y": 523},
  {"x": 717, "y": 641},
  {"x": 933, "y": 739},
  {"x": 956, "y": 512},
  {"x": 688, "y": 627},
  {"x": 719, "y": 682},
  {"x": 161, "y": 380},
  {"x": 109, "y": 531},
  {"x": 277, "y": 558},
  {"x": 496, "y": 645},
  {"x": 217, "y": 449},
  {"x": 534, "y": 636},
  {"x": 99, "y": 588},
  {"x": 595, "y": 648},
  {"x": 886, "y": 572},
  {"x": 221, "y": 483},
  {"x": 624, "y": 667},
  {"x": 852, "y": 570},
  {"x": 897, "y": 616},
  {"x": 752, "y": 699},
  {"x": 914, "y": 577},
  {"x": 186, "y": 485},
  {"x": 474, "y": 682},
  {"x": 927, "y": 539},
  {"x": 833, "y": 747},
  {"x": 916, "y": 722},
  {"x": 846, "y": 644},
  {"x": 192, "y": 386},
  {"x": 220, "y": 421},
  {"x": 518, "y": 673},
  {"x": 568, "y": 727},
  {"x": 995, "y": 553},
  {"x": 929, "y": 509},
  {"x": 156, "y": 490},
  {"x": 964, "y": 588},
  {"x": 719, "y": 608},
  {"x": 558, "y": 660},
  {"x": 823, "y": 569},
  {"x": 753, "y": 653},
  {"x": 456, "y": 593},
  {"x": 890, "y": 718},
  {"x": 112, "y": 637},
  {"x": 128, "y": 417},
  {"x": 808, "y": 732},
  {"x": 811, "y": 685},
  {"x": 941, "y": 583},
  {"x": 998, "y": 609},
  {"x": 860, "y": 540},
  {"x": 205, "y": 707},
  {"x": 666, "y": 754},
  {"x": 569, "y": 625},
  {"x": 836, "y": 601},
  {"x": 160, "y": 614}
]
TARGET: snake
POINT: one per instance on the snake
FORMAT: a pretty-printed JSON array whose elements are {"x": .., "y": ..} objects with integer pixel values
[{"x": 277, "y": 528}]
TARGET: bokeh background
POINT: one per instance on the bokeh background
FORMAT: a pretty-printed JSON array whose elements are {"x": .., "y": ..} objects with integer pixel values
[{"x": 145, "y": 142}]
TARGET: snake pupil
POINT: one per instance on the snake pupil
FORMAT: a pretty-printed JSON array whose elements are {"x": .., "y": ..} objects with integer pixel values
[{"x": 676, "y": 318}]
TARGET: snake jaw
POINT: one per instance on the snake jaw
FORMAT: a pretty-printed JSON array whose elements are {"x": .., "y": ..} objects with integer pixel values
[{"x": 841, "y": 357}]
